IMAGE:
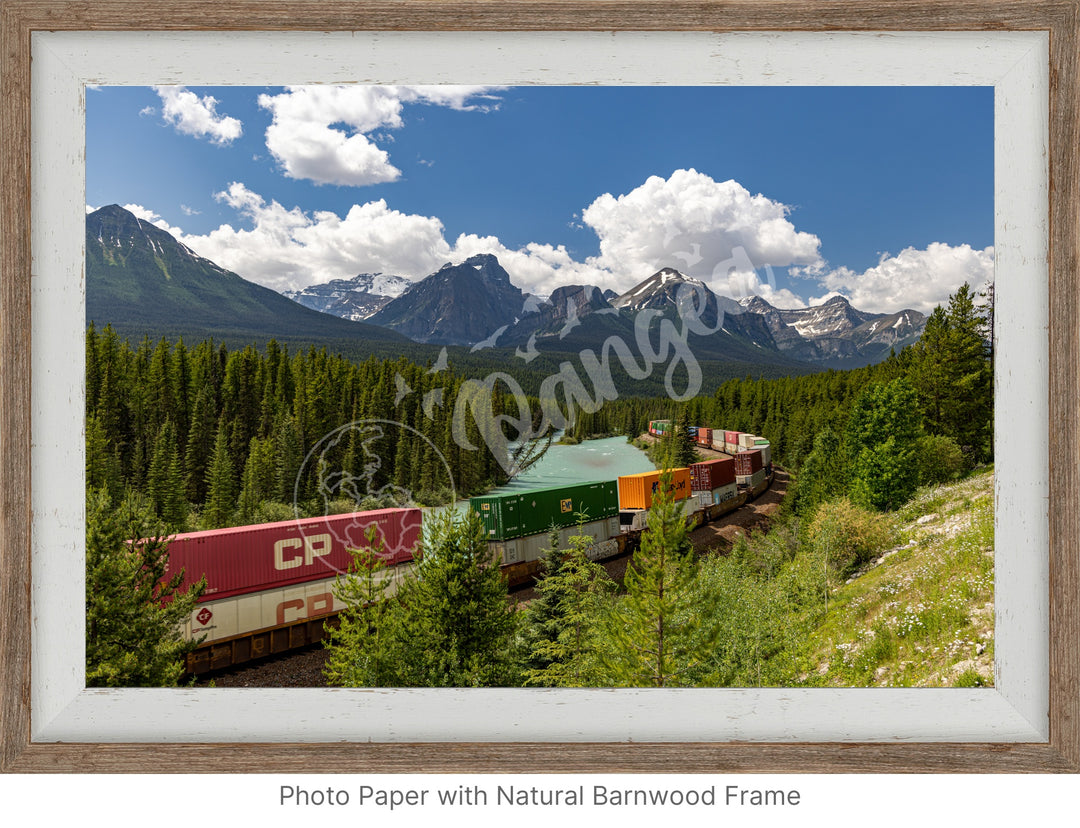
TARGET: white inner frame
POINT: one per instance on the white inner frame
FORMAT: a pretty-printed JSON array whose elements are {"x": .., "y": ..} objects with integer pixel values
[{"x": 1015, "y": 710}]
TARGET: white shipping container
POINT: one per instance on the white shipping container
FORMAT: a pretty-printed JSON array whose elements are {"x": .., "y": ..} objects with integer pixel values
[
  {"x": 731, "y": 448},
  {"x": 724, "y": 493},
  {"x": 746, "y": 441},
  {"x": 598, "y": 530},
  {"x": 249, "y": 612},
  {"x": 718, "y": 440},
  {"x": 638, "y": 520}
]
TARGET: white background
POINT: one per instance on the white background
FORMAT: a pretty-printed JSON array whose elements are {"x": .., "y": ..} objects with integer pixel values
[{"x": 865, "y": 800}]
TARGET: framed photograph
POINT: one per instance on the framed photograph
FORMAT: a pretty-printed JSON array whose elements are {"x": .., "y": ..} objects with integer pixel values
[{"x": 56, "y": 56}]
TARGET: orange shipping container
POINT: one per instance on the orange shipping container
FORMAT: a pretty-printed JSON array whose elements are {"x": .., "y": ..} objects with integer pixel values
[{"x": 636, "y": 491}]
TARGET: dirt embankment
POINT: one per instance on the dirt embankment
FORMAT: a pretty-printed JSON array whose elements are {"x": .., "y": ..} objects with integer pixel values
[{"x": 720, "y": 535}]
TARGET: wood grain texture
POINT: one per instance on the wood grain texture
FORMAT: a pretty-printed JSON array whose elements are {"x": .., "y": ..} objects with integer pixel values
[
  {"x": 553, "y": 15},
  {"x": 18, "y": 18},
  {"x": 544, "y": 758},
  {"x": 1064, "y": 388},
  {"x": 14, "y": 386}
]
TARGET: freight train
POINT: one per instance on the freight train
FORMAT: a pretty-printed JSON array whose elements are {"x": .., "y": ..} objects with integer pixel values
[{"x": 271, "y": 587}]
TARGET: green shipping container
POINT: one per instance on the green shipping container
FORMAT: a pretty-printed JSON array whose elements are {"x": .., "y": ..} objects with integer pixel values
[{"x": 531, "y": 512}]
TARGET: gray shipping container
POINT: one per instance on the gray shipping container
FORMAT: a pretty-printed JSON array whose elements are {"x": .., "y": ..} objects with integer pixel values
[
  {"x": 751, "y": 480},
  {"x": 534, "y": 547}
]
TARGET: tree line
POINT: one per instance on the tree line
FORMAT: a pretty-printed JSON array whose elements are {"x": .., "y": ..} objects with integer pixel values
[{"x": 211, "y": 437}]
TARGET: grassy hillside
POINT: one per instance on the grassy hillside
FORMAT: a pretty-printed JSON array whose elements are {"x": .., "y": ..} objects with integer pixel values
[{"x": 921, "y": 614}]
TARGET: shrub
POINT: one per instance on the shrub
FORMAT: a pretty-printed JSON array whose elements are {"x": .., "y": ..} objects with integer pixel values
[
  {"x": 848, "y": 535},
  {"x": 270, "y": 511},
  {"x": 940, "y": 460},
  {"x": 969, "y": 678}
]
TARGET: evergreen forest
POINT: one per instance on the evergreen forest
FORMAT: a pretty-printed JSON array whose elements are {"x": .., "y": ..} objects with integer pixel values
[{"x": 203, "y": 437}]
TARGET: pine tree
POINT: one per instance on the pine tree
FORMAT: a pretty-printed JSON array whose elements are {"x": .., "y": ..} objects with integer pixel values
[
  {"x": 456, "y": 627},
  {"x": 655, "y": 636},
  {"x": 361, "y": 646},
  {"x": 133, "y": 614},
  {"x": 561, "y": 622},
  {"x": 823, "y": 475},
  {"x": 165, "y": 480},
  {"x": 289, "y": 448},
  {"x": 258, "y": 483},
  {"x": 102, "y": 460},
  {"x": 952, "y": 371},
  {"x": 200, "y": 445},
  {"x": 220, "y": 483}
]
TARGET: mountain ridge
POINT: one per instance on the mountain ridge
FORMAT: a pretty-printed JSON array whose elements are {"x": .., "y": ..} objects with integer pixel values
[{"x": 143, "y": 281}]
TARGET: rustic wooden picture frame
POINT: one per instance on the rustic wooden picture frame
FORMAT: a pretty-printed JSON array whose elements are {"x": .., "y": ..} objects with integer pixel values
[{"x": 1059, "y": 18}]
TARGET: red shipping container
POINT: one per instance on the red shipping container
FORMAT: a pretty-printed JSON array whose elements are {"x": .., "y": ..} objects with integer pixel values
[
  {"x": 732, "y": 436},
  {"x": 704, "y": 436},
  {"x": 274, "y": 555},
  {"x": 748, "y": 462},
  {"x": 712, "y": 474}
]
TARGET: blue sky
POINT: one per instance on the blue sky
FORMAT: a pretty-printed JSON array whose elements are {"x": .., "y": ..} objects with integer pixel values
[{"x": 883, "y": 194}]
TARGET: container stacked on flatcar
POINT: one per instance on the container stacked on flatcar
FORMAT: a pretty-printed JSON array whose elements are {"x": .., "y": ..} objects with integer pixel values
[
  {"x": 713, "y": 481},
  {"x": 658, "y": 428},
  {"x": 274, "y": 576},
  {"x": 518, "y": 524},
  {"x": 731, "y": 442},
  {"x": 636, "y": 492},
  {"x": 749, "y": 469},
  {"x": 705, "y": 436}
]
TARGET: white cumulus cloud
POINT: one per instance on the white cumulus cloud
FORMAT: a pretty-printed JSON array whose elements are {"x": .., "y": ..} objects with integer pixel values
[
  {"x": 192, "y": 115},
  {"x": 321, "y": 133},
  {"x": 149, "y": 216},
  {"x": 289, "y": 249},
  {"x": 713, "y": 231},
  {"x": 720, "y": 234},
  {"x": 917, "y": 279}
]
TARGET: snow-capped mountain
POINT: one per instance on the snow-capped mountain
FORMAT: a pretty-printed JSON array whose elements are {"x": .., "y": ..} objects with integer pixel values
[
  {"x": 475, "y": 303},
  {"x": 457, "y": 305},
  {"x": 661, "y": 291},
  {"x": 835, "y": 330},
  {"x": 356, "y": 298}
]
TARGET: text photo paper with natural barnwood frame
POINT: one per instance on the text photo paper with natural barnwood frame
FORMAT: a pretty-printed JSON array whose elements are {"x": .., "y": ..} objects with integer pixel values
[{"x": 1026, "y": 51}]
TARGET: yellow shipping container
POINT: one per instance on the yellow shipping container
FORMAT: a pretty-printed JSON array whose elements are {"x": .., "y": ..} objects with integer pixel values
[{"x": 636, "y": 490}]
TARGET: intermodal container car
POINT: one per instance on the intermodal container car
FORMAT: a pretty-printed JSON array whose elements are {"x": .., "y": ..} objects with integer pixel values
[
  {"x": 532, "y": 512},
  {"x": 751, "y": 481},
  {"x": 731, "y": 437},
  {"x": 636, "y": 491},
  {"x": 748, "y": 462},
  {"x": 712, "y": 474},
  {"x": 269, "y": 556},
  {"x": 534, "y": 547},
  {"x": 704, "y": 436}
]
